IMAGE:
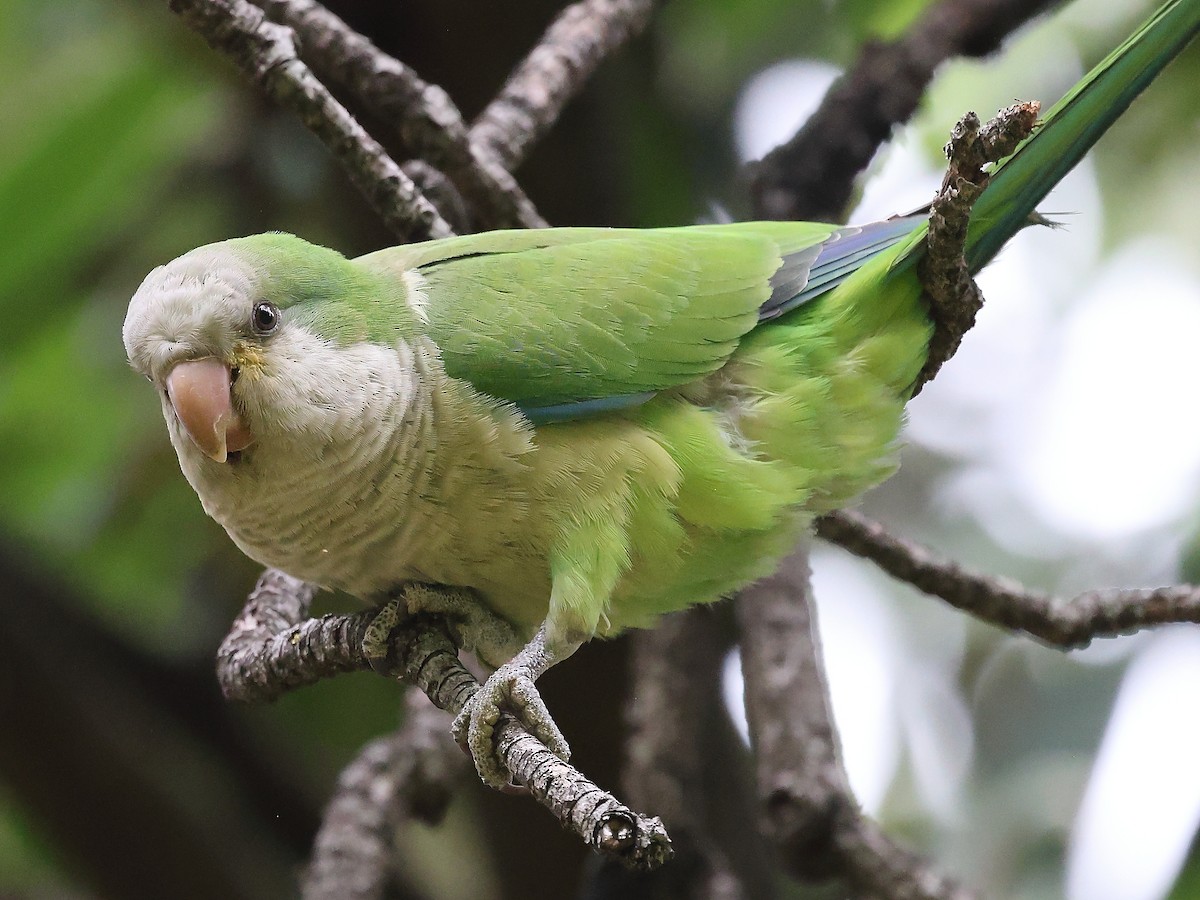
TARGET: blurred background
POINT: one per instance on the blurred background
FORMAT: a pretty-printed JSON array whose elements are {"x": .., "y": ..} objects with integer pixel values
[{"x": 1059, "y": 448}]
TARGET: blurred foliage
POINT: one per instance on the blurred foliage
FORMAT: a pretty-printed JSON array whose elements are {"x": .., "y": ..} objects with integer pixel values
[
  {"x": 126, "y": 142},
  {"x": 103, "y": 120}
]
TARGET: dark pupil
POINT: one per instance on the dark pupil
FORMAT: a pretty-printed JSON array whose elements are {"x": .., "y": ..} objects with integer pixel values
[{"x": 264, "y": 317}]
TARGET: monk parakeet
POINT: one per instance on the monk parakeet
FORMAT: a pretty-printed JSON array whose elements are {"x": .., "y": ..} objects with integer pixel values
[{"x": 571, "y": 430}]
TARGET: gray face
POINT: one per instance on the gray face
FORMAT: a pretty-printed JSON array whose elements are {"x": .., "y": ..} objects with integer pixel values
[{"x": 195, "y": 306}]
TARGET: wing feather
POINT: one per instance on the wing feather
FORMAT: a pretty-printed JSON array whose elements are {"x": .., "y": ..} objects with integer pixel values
[{"x": 573, "y": 322}]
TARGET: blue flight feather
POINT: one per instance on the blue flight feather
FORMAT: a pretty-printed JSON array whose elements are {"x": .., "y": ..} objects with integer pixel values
[
  {"x": 805, "y": 275},
  {"x": 581, "y": 409}
]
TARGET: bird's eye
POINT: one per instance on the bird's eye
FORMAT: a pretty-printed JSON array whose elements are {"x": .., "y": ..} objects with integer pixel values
[{"x": 265, "y": 318}]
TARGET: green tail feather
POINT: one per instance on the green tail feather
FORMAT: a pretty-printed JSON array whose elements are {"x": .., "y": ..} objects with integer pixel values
[{"x": 1073, "y": 125}]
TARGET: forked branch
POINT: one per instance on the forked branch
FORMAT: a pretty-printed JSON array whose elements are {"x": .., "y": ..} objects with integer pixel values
[{"x": 266, "y": 52}]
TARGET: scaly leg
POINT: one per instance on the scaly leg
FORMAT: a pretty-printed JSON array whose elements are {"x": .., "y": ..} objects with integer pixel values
[
  {"x": 492, "y": 639},
  {"x": 511, "y": 689}
]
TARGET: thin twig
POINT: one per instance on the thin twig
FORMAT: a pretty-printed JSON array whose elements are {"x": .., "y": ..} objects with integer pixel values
[
  {"x": 576, "y": 42},
  {"x": 422, "y": 114},
  {"x": 428, "y": 659},
  {"x": 1065, "y": 623},
  {"x": 954, "y": 298},
  {"x": 267, "y": 53},
  {"x": 812, "y": 175},
  {"x": 257, "y": 662}
]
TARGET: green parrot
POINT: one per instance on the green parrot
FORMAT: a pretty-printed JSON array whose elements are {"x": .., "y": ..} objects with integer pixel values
[{"x": 558, "y": 434}]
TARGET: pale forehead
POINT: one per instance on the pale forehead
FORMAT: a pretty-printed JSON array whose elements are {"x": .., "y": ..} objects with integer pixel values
[
  {"x": 212, "y": 269},
  {"x": 204, "y": 288}
]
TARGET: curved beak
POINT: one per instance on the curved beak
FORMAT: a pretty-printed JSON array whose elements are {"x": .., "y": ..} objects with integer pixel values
[{"x": 199, "y": 390}]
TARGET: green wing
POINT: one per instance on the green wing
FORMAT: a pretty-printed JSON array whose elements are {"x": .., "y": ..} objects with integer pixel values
[{"x": 570, "y": 321}]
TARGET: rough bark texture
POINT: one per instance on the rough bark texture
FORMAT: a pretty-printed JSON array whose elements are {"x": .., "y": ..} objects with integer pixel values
[
  {"x": 808, "y": 810},
  {"x": 266, "y": 52},
  {"x": 954, "y": 298},
  {"x": 409, "y": 774},
  {"x": 422, "y": 114},
  {"x": 274, "y": 648}
]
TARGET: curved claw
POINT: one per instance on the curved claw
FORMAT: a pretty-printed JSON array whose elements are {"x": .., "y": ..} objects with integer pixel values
[
  {"x": 509, "y": 689},
  {"x": 377, "y": 640}
]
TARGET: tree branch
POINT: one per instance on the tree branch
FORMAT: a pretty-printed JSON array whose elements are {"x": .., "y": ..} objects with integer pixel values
[
  {"x": 1000, "y": 601},
  {"x": 422, "y": 114},
  {"x": 273, "y": 647},
  {"x": 259, "y": 662},
  {"x": 429, "y": 660},
  {"x": 809, "y": 812},
  {"x": 954, "y": 298},
  {"x": 554, "y": 72},
  {"x": 404, "y": 775},
  {"x": 267, "y": 53},
  {"x": 812, "y": 175},
  {"x": 672, "y": 713}
]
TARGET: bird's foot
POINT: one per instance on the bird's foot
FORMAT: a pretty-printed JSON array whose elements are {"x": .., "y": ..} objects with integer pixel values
[
  {"x": 475, "y": 628},
  {"x": 377, "y": 639},
  {"x": 510, "y": 689},
  {"x": 472, "y": 625}
]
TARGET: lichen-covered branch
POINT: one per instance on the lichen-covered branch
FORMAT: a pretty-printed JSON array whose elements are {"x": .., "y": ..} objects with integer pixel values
[
  {"x": 812, "y": 175},
  {"x": 576, "y": 42},
  {"x": 422, "y": 114},
  {"x": 427, "y": 658},
  {"x": 1066, "y": 623},
  {"x": 266, "y": 52},
  {"x": 954, "y": 298},
  {"x": 273, "y": 647},
  {"x": 402, "y": 776},
  {"x": 259, "y": 662},
  {"x": 808, "y": 810}
]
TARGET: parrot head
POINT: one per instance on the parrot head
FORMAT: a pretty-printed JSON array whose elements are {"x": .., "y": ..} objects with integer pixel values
[
  {"x": 242, "y": 340},
  {"x": 192, "y": 328}
]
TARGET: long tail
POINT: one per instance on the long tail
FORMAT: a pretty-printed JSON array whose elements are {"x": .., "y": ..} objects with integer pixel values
[{"x": 1070, "y": 128}]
